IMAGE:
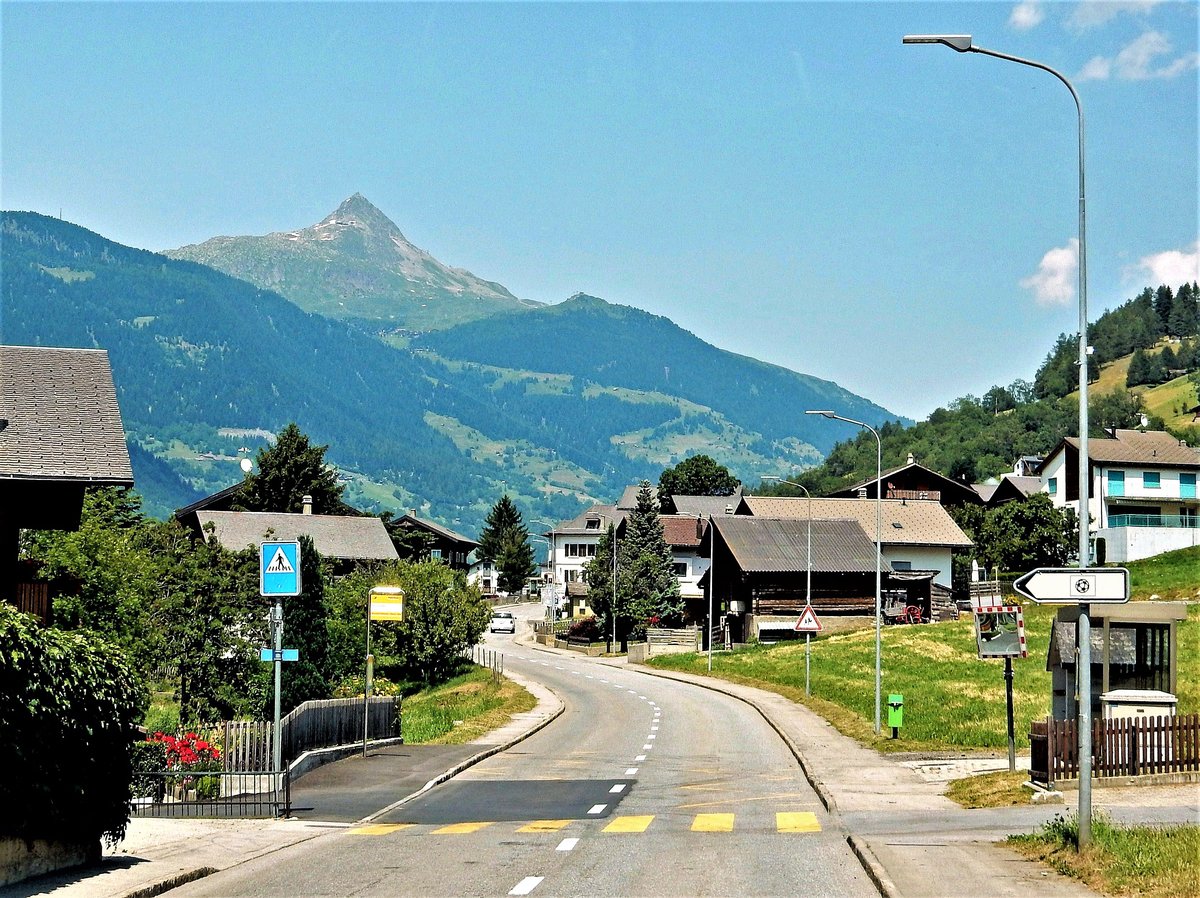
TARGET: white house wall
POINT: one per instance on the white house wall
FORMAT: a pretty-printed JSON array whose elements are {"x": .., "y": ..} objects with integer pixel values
[{"x": 922, "y": 558}]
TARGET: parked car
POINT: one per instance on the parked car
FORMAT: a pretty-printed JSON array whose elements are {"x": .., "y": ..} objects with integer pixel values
[{"x": 503, "y": 622}]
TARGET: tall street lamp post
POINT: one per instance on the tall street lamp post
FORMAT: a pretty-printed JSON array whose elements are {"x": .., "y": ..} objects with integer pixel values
[
  {"x": 552, "y": 607},
  {"x": 878, "y": 551},
  {"x": 962, "y": 43},
  {"x": 808, "y": 583}
]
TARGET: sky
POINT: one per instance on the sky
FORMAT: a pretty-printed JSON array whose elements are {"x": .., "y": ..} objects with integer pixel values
[{"x": 787, "y": 181}]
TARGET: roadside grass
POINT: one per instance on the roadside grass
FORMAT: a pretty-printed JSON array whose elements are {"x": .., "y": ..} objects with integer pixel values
[
  {"x": 462, "y": 709},
  {"x": 1147, "y": 861},
  {"x": 991, "y": 790},
  {"x": 1171, "y": 575}
]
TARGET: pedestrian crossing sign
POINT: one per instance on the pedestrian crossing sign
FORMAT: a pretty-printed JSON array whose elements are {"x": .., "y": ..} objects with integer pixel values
[{"x": 279, "y": 569}]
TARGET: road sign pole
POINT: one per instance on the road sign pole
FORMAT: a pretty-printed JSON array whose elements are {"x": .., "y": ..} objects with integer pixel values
[
  {"x": 807, "y": 649},
  {"x": 276, "y": 735},
  {"x": 367, "y": 676},
  {"x": 1083, "y": 673},
  {"x": 1012, "y": 736}
]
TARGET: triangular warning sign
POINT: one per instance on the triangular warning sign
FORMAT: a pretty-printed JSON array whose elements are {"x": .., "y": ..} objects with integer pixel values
[
  {"x": 808, "y": 622},
  {"x": 280, "y": 564}
]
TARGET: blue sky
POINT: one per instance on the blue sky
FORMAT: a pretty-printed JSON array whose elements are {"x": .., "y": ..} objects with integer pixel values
[{"x": 787, "y": 181}]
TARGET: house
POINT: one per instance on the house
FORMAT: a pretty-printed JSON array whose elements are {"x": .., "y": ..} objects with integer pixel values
[
  {"x": 443, "y": 543},
  {"x": 683, "y": 534},
  {"x": 763, "y": 571},
  {"x": 913, "y": 481},
  {"x": 60, "y": 434},
  {"x": 917, "y": 535},
  {"x": 344, "y": 540},
  {"x": 1010, "y": 487},
  {"x": 573, "y": 544},
  {"x": 1142, "y": 498}
]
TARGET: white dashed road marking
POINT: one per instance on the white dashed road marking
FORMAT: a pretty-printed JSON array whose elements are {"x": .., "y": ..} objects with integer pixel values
[
  {"x": 526, "y": 885},
  {"x": 567, "y": 844}
]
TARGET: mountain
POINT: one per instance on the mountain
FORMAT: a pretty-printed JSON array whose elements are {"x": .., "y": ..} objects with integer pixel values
[
  {"x": 357, "y": 265},
  {"x": 558, "y": 406}
]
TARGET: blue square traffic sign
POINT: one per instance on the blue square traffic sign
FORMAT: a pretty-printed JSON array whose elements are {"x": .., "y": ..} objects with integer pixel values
[{"x": 279, "y": 569}]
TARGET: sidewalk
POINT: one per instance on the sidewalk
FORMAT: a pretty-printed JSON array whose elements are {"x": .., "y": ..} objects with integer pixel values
[{"x": 158, "y": 853}]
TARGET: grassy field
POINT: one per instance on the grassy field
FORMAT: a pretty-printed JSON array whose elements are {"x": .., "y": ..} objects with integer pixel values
[
  {"x": 952, "y": 700},
  {"x": 462, "y": 709},
  {"x": 1147, "y": 861}
]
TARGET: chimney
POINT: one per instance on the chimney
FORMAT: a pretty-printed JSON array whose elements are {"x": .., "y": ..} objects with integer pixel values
[
  {"x": 862, "y": 492},
  {"x": 699, "y": 527},
  {"x": 910, "y": 458},
  {"x": 728, "y": 509},
  {"x": 306, "y": 503}
]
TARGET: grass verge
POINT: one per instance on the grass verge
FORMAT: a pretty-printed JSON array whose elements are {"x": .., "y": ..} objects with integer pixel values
[
  {"x": 462, "y": 709},
  {"x": 991, "y": 790},
  {"x": 1147, "y": 861}
]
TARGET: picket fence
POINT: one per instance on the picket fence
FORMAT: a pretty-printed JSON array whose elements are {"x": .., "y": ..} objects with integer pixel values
[{"x": 1129, "y": 746}]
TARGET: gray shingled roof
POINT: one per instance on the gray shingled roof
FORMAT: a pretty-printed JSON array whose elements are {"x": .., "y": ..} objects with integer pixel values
[
  {"x": 63, "y": 422},
  {"x": 781, "y": 545},
  {"x": 705, "y": 505},
  {"x": 333, "y": 536}
]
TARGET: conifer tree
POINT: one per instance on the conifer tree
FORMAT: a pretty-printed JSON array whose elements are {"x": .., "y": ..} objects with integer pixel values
[
  {"x": 289, "y": 470},
  {"x": 647, "y": 589},
  {"x": 504, "y": 541}
]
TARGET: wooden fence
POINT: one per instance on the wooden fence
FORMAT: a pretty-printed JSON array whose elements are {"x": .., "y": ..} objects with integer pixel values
[
  {"x": 337, "y": 721},
  {"x": 1126, "y": 746},
  {"x": 670, "y": 642}
]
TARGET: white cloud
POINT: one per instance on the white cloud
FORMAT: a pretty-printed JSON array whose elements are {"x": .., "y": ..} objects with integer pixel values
[
  {"x": 1137, "y": 61},
  {"x": 1054, "y": 282},
  {"x": 1094, "y": 13},
  {"x": 1172, "y": 267},
  {"x": 1026, "y": 15}
]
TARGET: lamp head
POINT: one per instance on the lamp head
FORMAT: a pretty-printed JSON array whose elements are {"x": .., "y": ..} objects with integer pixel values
[
  {"x": 959, "y": 42},
  {"x": 824, "y": 413}
]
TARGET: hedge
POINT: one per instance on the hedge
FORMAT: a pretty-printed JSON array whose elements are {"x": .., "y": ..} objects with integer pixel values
[{"x": 69, "y": 707}]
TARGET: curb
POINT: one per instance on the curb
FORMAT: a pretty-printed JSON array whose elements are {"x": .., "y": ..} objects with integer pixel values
[
  {"x": 873, "y": 867},
  {"x": 474, "y": 759}
]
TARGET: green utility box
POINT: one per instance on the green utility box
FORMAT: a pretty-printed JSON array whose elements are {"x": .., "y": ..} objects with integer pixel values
[{"x": 895, "y": 705}]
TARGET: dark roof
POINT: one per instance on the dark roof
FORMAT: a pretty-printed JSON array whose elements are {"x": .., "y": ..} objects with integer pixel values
[
  {"x": 682, "y": 531},
  {"x": 1013, "y": 486},
  {"x": 911, "y": 522},
  {"x": 62, "y": 418},
  {"x": 333, "y": 536},
  {"x": 911, "y": 469},
  {"x": 781, "y": 545},
  {"x": 436, "y": 529},
  {"x": 628, "y": 500},
  {"x": 577, "y": 526}
]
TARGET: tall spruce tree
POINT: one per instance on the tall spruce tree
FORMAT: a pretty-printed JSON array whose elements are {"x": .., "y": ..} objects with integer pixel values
[
  {"x": 504, "y": 541},
  {"x": 598, "y": 574},
  {"x": 647, "y": 588},
  {"x": 289, "y": 470}
]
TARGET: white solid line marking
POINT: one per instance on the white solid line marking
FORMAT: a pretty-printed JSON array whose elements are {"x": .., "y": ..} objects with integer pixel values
[
  {"x": 567, "y": 844},
  {"x": 640, "y": 758},
  {"x": 631, "y": 771},
  {"x": 526, "y": 885},
  {"x": 597, "y": 809},
  {"x": 619, "y": 787}
]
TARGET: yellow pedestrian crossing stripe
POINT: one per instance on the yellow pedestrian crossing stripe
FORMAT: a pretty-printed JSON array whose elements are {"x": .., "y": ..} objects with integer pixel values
[
  {"x": 379, "y": 829},
  {"x": 460, "y": 829},
  {"x": 713, "y": 823},
  {"x": 797, "y": 822},
  {"x": 543, "y": 826},
  {"x": 632, "y": 824},
  {"x": 785, "y": 822}
]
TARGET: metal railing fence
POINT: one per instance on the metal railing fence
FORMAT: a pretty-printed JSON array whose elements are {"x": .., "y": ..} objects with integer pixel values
[{"x": 211, "y": 793}]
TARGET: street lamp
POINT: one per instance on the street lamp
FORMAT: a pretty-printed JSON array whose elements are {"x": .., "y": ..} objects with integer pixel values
[
  {"x": 878, "y": 551},
  {"x": 963, "y": 44},
  {"x": 808, "y": 584},
  {"x": 549, "y": 564}
]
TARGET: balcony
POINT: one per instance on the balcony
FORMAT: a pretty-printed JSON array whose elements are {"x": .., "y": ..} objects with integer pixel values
[{"x": 1154, "y": 520}]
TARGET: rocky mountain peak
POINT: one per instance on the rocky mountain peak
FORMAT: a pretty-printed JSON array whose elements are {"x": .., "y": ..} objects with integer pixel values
[{"x": 358, "y": 211}]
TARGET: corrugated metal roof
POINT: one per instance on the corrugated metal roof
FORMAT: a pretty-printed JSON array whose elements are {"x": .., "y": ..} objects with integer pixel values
[
  {"x": 334, "y": 536},
  {"x": 781, "y": 545},
  {"x": 906, "y": 522},
  {"x": 1137, "y": 448},
  {"x": 63, "y": 418}
]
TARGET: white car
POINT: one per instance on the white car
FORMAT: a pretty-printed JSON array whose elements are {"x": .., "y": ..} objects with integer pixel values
[{"x": 503, "y": 622}]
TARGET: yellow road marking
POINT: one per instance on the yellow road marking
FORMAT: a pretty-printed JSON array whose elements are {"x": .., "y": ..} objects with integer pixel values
[
  {"x": 633, "y": 824},
  {"x": 797, "y": 822},
  {"x": 458, "y": 829},
  {"x": 543, "y": 826},
  {"x": 379, "y": 829},
  {"x": 713, "y": 823}
]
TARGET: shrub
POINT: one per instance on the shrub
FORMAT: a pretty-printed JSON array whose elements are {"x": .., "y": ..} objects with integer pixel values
[
  {"x": 585, "y": 628},
  {"x": 149, "y": 758},
  {"x": 69, "y": 706}
]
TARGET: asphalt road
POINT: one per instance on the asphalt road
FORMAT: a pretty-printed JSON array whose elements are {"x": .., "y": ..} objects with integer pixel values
[{"x": 642, "y": 787}]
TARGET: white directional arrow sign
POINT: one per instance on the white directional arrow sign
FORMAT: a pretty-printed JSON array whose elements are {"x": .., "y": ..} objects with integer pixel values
[{"x": 1075, "y": 586}]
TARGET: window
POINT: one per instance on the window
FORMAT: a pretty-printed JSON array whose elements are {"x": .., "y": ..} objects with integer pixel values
[
  {"x": 1116, "y": 483},
  {"x": 680, "y": 568},
  {"x": 592, "y": 524},
  {"x": 579, "y": 550},
  {"x": 435, "y": 553},
  {"x": 1187, "y": 486},
  {"x": 570, "y": 575},
  {"x": 901, "y": 565},
  {"x": 1151, "y": 480},
  {"x": 1052, "y": 486}
]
